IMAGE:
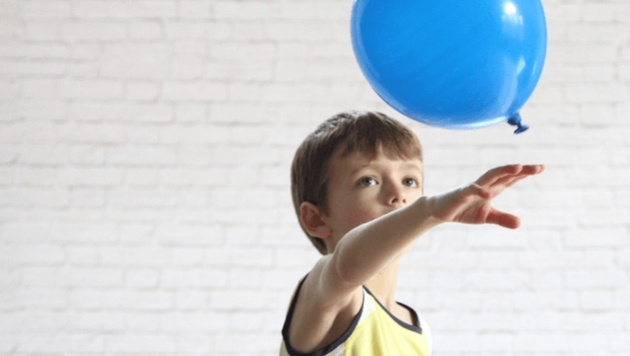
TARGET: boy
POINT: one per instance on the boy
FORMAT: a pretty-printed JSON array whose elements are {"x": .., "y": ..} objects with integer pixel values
[{"x": 357, "y": 190}]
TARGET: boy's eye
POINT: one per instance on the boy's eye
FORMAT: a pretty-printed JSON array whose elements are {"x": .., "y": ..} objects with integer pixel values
[
  {"x": 367, "y": 182},
  {"x": 410, "y": 182}
]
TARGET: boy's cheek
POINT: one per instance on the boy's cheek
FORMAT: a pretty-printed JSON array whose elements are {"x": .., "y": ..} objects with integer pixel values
[{"x": 358, "y": 217}]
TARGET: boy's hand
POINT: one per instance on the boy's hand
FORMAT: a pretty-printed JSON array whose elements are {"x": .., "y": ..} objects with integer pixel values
[{"x": 471, "y": 204}]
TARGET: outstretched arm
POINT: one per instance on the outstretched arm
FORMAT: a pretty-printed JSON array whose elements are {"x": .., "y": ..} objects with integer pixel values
[{"x": 367, "y": 249}]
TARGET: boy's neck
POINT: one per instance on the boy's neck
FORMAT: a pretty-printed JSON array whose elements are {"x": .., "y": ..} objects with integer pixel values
[{"x": 383, "y": 285}]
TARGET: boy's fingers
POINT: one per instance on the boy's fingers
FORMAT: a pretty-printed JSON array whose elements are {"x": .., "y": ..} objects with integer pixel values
[
  {"x": 533, "y": 169},
  {"x": 501, "y": 175},
  {"x": 476, "y": 189},
  {"x": 490, "y": 177},
  {"x": 503, "y": 219},
  {"x": 508, "y": 181}
]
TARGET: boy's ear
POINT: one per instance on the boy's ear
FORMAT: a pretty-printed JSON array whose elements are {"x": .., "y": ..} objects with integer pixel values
[{"x": 311, "y": 218}]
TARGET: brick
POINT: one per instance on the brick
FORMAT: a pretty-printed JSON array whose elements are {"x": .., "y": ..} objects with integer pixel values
[
  {"x": 193, "y": 91},
  {"x": 74, "y": 176},
  {"x": 39, "y": 88},
  {"x": 6, "y": 176},
  {"x": 34, "y": 197},
  {"x": 302, "y": 31},
  {"x": 225, "y": 198},
  {"x": 240, "y": 51},
  {"x": 497, "y": 342},
  {"x": 541, "y": 260},
  {"x": 123, "y": 10},
  {"x": 249, "y": 10},
  {"x": 546, "y": 300},
  {"x": 191, "y": 343},
  {"x": 455, "y": 342},
  {"x": 547, "y": 343},
  {"x": 146, "y": 30},
  {"x": 190, "y": 300},
  {"x": 601, "y": 278},
  {"x": 148, "y": 301},
  {"x": 35, "y": 51},
  {"x": 8, "y": 343},
  {"x": 82, "y": 255},
  {"x": 596, "y": 300},
  {"x": 194, "y": 176},
  {"x": 139, "y": 343},
  {"x": 141, "y": 177},
  {"x": 243, "y": 278},
  {"x": 135, "y": 61},
  {"x": 142, "y": 155},
  {"x": 29, "y": 254},
  {"x": 247, "y": 31},
  {"x": 134, "y": 256},
  {"x": 143, "y": 322},
  {"x": 187, "y": 257},
  {"x": 42, "y": 298},
  {"x": 87, "y": 154},
  {"x": 191, "y": 113},
  {"x": 9, "y": 90},
  {"x": 242, "y": 235},
  {"x": 93, "y": 89},
  {"x": 597, "y": 94},
  {"x": 597, "y": 12},
  {"x": 80, "y": 232},
  {"x": 195, "y": 322},
  {"x": 197, "y": 134},
  {"x": 141, "y": 90},
  {"x": 497, "y": 280},
  {"x": 193, "y": 277},
  {"x": 553, "y": 280},
  {"x": 42, "y": 109},
  {"x": 141, "y": 278},
  {"x": 46, "y": 9},
  {"x": 186, "y": 30},
  {"x": 195, "y": 235},
  {"x": 195, "y": 10},
  {"x": 222, "y": 113},
  {"x": 93, "y": 277},
  {"x": 615, "y": 237},
  {"x": 42, "y": 30},
  {"x": 244, "y": 92},
  {"x": 45, "y": 343},
  {"x": 11, "y": 28},
  {"x": 93, "y": 31},
  {"x": 588, "y": 32},
  {"x": 259, "y": 70},
  {"x": 87, "y": 343},
  {"x": 491, "y": 237},
  {"x": 240, "y": 300}
]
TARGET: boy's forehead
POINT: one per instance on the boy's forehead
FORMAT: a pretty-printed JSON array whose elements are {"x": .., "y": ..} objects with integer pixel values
[{"x": 354, "y": 161}]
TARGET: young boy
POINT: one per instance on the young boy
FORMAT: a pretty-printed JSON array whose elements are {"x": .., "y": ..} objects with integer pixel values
[{"x": 357, "y": 189}]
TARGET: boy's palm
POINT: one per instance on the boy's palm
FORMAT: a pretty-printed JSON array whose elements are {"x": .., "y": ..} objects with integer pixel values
[{"x": 472, "y": 204}]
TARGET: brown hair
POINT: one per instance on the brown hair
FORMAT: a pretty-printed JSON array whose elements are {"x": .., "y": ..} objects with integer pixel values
[{"x": 359, "y": 131}]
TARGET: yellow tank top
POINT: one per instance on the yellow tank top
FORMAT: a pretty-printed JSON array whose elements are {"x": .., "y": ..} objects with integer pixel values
[{"x": 374, "y": 331}]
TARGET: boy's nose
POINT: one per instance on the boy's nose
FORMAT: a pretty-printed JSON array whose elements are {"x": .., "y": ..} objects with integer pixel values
[{"x": 396, "y": 195}]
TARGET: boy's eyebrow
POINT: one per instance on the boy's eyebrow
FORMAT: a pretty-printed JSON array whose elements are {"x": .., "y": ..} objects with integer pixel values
[
  {"x": 408, "y": 165},
  {"x": 354, "y": 171}
]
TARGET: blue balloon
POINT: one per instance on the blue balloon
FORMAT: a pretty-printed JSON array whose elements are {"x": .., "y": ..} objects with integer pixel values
[{"x": 451, "y": 63}]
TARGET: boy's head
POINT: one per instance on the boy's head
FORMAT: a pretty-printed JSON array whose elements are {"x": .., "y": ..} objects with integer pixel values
[{"x": 344, "y": 134}]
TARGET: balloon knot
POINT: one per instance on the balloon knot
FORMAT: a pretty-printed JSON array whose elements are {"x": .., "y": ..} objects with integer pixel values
[{"x": 516, "y": 121}]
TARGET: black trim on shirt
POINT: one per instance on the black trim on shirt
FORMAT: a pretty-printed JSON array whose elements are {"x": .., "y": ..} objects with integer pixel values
[
  {"x": 326, "y": 349},
  {"x": 414, "y": 316}
]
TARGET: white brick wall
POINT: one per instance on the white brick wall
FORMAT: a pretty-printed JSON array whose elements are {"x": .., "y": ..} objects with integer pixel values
[{"x": 144, "y": 189}]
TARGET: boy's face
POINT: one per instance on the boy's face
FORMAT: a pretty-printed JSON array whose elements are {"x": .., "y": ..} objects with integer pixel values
[{"x": 362, "y": 188}]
